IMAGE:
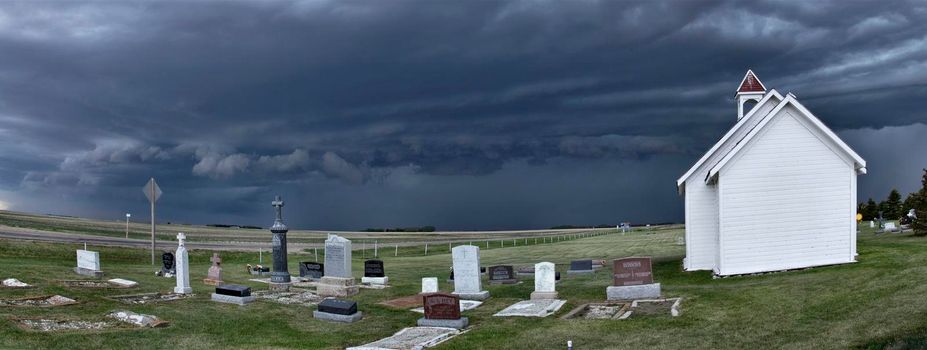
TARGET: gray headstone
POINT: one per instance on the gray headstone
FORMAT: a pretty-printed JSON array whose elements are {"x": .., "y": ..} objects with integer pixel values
[
  {"x": 544, "y": 277},
  {"x": 467, "y": 272},
  {"x": 89, "y": 260},
  {"x": 337, "y": 257}
]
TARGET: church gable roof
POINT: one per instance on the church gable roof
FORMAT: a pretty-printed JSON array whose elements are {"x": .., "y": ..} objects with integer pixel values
[
  {"x": 727, "y": 136},
  {"x": 839, "y": 145}
]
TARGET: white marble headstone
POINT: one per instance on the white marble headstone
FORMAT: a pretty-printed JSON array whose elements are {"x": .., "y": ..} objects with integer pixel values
[
  {"x": 337, "y": 257},
  {"x": 89, "y": 260},
  {"x": 544, "y": 277},
  {"x": 430, "y": 285},
  {"x": 466, "y": 269},
  {"x": 182, "y": 262}
]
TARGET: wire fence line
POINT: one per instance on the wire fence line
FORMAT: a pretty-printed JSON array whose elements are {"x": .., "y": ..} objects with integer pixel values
[{"x": 375, "y": 249}]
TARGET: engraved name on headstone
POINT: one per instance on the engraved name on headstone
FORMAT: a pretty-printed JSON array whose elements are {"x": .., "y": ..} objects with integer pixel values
[
  {"x": 632, "y": 271},
  {"x": 374, "y": 268},
  {"x": 441, "y": 306}
]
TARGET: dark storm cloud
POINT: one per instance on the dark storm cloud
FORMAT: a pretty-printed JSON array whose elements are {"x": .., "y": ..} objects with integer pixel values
[{"x": 425, "y": 112}]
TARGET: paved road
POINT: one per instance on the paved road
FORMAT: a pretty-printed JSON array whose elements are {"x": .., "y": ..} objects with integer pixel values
[{"x": 59, "y": 237}]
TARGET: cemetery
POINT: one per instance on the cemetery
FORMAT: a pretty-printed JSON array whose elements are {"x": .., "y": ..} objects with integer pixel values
[{"x": 540, "y": 310}]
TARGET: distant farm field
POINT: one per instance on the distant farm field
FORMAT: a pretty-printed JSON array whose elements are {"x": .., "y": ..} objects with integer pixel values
[{"x": 875, "y": 302}]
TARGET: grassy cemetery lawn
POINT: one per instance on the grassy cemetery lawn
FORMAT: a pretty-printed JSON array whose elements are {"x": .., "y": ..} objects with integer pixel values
[{"x": 868, "y": 304}]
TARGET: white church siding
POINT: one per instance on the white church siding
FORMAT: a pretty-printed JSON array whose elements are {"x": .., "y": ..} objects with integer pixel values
[
  {"x": 701, "y": 200},
  {"x": 701, "y": 224},
  {"x": 786, "y": 201}
]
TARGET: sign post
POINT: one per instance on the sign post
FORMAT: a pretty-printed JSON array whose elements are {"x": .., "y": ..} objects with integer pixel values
[{"x": 153, "y": 192}]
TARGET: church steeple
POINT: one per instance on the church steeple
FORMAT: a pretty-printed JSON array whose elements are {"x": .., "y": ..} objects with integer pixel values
[{"x": 751, "y": 89}]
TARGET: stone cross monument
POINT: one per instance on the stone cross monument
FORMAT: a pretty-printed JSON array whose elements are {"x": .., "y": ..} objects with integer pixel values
[
  {"x": 280, "y": 277},
  {"x": 214, "y": 275},
  {"x": 183, "y": 266}
]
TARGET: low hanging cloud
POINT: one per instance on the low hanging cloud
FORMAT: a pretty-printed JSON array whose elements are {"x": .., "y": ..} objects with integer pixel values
[{"x": 335, "y": 166}]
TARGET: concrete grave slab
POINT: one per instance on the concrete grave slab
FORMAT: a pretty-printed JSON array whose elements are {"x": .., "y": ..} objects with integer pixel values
[
  {"x": 532, "y": 308},
  {"x": 40, "y": 301},
  {"x": 412, "y": 338},
  {"x": 14, "y": 283},
  {"x": 123, "y": 282},
  {"x": 140, "y": 320}
]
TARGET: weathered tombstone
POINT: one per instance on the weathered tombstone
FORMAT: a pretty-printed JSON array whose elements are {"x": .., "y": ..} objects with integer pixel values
[
  {"x": 167, "y": 265},
  {"x": 183, "y": 267},
  {"x": 429, "y": 285},
  {"x": 233, "y": 294},
  {"x": 633, "y": 279},
  {"x": 871, "y": 224},
  {"x": 337, "y": 311},
  {"x": 214, "y": 275},
  {"x": 88, "y": 263},
  {"x": 467, "y": 284},
  {"x": 311, "y": 270},
  {"x": 374, "y": 273},
  {"x": 544, "y": 281},
  {"x": 280, "y": 277},
  {"x": 338, "y": 281},
  {"x": 442, "y": 310},
  {"x": 337, "y": 257},
  {"x": 580, "y": 266},
  {"x": 502, "y": 274}
]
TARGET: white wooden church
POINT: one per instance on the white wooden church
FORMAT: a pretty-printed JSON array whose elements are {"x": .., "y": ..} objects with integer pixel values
[{"x": 777, "y": 192}]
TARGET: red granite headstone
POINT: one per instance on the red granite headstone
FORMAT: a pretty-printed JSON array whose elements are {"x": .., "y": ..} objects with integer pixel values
[
  {"x": 441, "y": 306},
  {"x": 632, "y": 271}
]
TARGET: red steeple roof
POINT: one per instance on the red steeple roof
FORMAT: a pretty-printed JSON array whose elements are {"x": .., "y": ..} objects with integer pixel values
[{"x": 751, "y": 83}]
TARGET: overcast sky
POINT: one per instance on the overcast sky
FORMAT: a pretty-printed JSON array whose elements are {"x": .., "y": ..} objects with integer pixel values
[{"x": 457, "y": 114}]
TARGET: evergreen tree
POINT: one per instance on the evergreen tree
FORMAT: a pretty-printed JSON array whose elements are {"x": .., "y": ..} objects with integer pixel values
[
  {"x": 872, "y": 210},
  {"x": 908, "y": 203},
  {"x": 893, "y": 205},
  {"x": 920, "y": 208}
]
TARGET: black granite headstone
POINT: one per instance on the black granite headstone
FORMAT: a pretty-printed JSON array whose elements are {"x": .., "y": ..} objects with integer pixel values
[
  {"x": 235, "y": 290},
  {"x": 167, "y": 263},
  {"x": 502, "y": 274},
  {"x": 557, "y": 276},
  {"x": 338, "y": 307},
  {"x": 581, "y": 265},
  {"x": 374, "y": 268},
  {"x": 311, "y": 270}
]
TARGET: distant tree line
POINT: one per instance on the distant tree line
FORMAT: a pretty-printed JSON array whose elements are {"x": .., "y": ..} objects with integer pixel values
[
  {"x": 403, "y": 229},
  {"x": 893, "y": 208}
]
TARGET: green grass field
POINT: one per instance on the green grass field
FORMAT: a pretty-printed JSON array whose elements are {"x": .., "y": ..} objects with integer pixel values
[{"x": 876, "y": 302}]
